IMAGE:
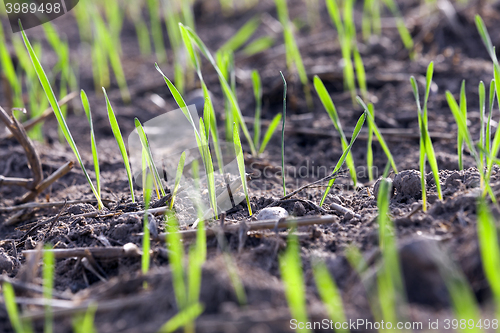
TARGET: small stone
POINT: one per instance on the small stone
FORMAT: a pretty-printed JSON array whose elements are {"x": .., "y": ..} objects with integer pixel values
[
  {"x": 298, "y": 209},
  {"x": 348, "y": 216},
  {"x": 272, "y": 213},
  {"x": 408, "y": 185}
]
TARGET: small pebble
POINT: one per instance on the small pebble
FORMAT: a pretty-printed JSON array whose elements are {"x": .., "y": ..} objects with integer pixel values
[
  {"x": 272, "y": 213},
  {"x": 298, "y": 209}
]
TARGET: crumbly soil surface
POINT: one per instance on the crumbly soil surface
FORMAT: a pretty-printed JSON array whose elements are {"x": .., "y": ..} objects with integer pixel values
[{"x": 443, "y": 235}]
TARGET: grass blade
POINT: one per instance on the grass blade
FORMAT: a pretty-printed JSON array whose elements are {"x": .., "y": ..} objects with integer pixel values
[
  {"x": 283, "y": 135},
  {"x": 379, "y": 136},
  {"x": 95, "y": 156},
  {"x": 176, "y": 258},
  {"x": 242, "y": 35},
  {"x": 327, "y": 102},
  {"x": 146, "y": 241},
  {"x": 57, "y": 111},
  {"x": 48, "y": 286},
  {"x": 257, "y": 91},
  {"x": 355, "y": 134},
  {"x": 369, "y": 152},
  {"x": 10, "y": 303},
  {"x": 119, "y": 140},
  {"x": 178, "y": 176},
  {"x": 241, "y": 165},
  {"x": 183, "y": 318},
  {"x": 269, "y": 133}
]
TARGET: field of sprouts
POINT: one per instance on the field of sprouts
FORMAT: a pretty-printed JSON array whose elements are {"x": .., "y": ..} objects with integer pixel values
[{"x": 250, "y": 166}]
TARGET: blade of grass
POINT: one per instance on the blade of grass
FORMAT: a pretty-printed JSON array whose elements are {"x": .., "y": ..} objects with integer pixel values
[
  {"x": 183, "y": 318},
  {"x": 95, "y": 156},
  {"x": 10, "y": 303},
  {"x": 482, "y": 112},
  {"x": 242, "y": 35},
  {"x": 327, "y": 102},
  {"x": 209, "y": 167},
  {"x": 355, "y": 134},
  {"x": 379, "y": 136},
  {"x": 57, "y": 111},
  {"x": 283, "y": 135},
  {"x": 257, "y": 91},
  {"x": 48, "y": 286},
  {"x": 146, "y": 241},
  {"x": 269, "y": 133},
  {"x": 119, "y": 140},
  {"x": 369, "y": 152},
  {"x": 463, "y": 110},
  {"x": 258, "y": 45},
  {"x": 241, "y": 165},
  {"x": 178, "y": 176},
  {"x": 176, "y": 258}
]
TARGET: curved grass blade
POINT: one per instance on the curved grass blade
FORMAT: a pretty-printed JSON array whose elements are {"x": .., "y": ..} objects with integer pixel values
[
  {"x": 257, "y": 91},
  {"x": 178, "y": 176},
  {"x": 57, "y": 111},
  {"x": 269, "y": 133},
  {"x": 95, "y": 156},
  {"x": 355, "y": 134},
  {"x": 149, "y": 156},
  {"x": 283, "y": 135},
  {"x": 241, "y": 165},
  {"x": 379, "y": 136},
  {"x": 119, "y": 140},
  {"x": 327, "y": 102}
]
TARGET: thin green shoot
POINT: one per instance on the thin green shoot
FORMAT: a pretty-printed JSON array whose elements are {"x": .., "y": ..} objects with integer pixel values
[
  {"x": 369, "y": 151},
  {"x": 57, "y": 111},
  {"x": 488, "y": 124},
  {"x": 257, "y": 91},
  {"x": 482, "y": 132},
  {"x": 426, "y": 148},
  {"x": 463, "y": 110},
  {"x": 273, "y": 126},
  {"x": 10, "y": 303},
  {"x": 259, "y": 45},
  {"x": 293, "y": 55},
  {"x": 95, "y": 156},
  {"x": 156, "y": 30},
  {"x": 172, "y": 19},
  {"x": 85, "y": 323},
  {"x": 178, "y": 176},
  {"x": 360, "y": 71},
  {"x": 176, "y": 258},
  {"x": 121, "y": 145},
  {"x": 379, "y": 136},
  {"x": 292, "y": 276},
  {"x": 160, "y": 192},
  {"x": 48, "y": 286},
  {"x": 283, "y": 173},
  {"x": 490, "y": 250},
  {"x": 186, "y": 31},
  {"x": 242, "y": 35},
  {"x": 146, "y": 241},
  {"x": 327, "y": 102},
  {"x": 183, "y": 318},
  {"x": 241, "y": 165},
  {"x": 355, "y": 133},
  {"x": 209, "y": 167},
  {"x": 330, "y": 294},
  {"x": 10, "y": 72}
]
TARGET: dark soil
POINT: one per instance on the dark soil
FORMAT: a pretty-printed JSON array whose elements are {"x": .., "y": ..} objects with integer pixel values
[{"x": 445, "y": 233}]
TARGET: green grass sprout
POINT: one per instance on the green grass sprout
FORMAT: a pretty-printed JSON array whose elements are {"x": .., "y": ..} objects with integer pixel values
[
  {"x": 292, "y": 275},
  {"x": 160, "y": 192},
  {"x": 369, "y": 151},
  {"x": 482, "y": 132},
  {"x": 178, "y": 176},
  {"x": 176, "y": 258},
  {"x": 242, "y": 35},
  {"x": 273, "y": 126},
  {"x": 327, "y": 102},
  {"x": 121, "y": 145},
  {"x": 257, "y": 91},
  {"x": 241, "y": 166},
  {"x": 488, "y": 124},
  {"x": 259, "y": 45},
  {"x": 10, "y": 303},
  {"x": 330, "y": 294},
  {"x": 57, "y": 111},
  {"x": 355, "y": 133},
  {"x": 95, "y": 156},
  {"x": 146, "y": 242},
  {"x": 379, "y": 136},
  {"x": 85, "y": 323},
  {"x": 460, "y": 139},
  {"x": 283, "y": 135},
  {"x": 487, "y": 233},
  {"x": 10, "y": 72},
  {"x": 183, "y": 318},
  {"x": 426, "y": 148},
  {"x": 48, "y": 286},
  {"x": 156, "y": 30}
]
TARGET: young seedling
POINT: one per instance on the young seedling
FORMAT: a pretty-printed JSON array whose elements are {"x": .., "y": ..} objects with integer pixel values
[
  {"x": 178, "y": 176},
  {"x": 242, "y": 35},
  {"x": 10, "y": 72},
  {"x": 273, "y": 126},
  {"x": 10, "y": 303},
  {"x": 241, "y": 165},
  {"x": 48, "y": 286},
  {"x": 283, "y": 136},
  {"x": 342, "y": 159},
  {"x": 490, "y": 250},
  {"x": 369, "y": 151},
  {"x": 85, "y": 323},
  {"x": 293, "y": 55},
  {"x": 146, "y": 242},
  {"x": 426, "y": 148},
  {"x": 379, "y": 136},
  {"x": 57, "y": 111},
  {"x": 160, "y": 192},
  {"x": 460, "y": 139},
  {"x": 257, "y": 91},
  {"x": 330, "y": 295},
  {"x": 183, "y": 319},
  {"x": 121, "y": 145},
  {"x": 95, "y": 156},
  {"x": 332, "y": 112},
  {"x": 259, "y": 45},
  {"x": 292, "y": 276}
]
